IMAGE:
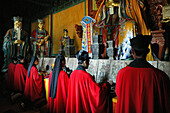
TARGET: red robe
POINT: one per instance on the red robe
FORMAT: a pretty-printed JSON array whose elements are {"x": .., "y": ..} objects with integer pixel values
[
  {"x": 142, "y": 90},
  {"x": 33, "y": 86},
  {"x": 58, "y": 104},
  {"x": 84, "y": 95},
  {"x": 20, "y": 77},
  {"x": 10, "y": 76},
  {"x": 40, "y": 37},
  {"x": 34, "y": 33}
]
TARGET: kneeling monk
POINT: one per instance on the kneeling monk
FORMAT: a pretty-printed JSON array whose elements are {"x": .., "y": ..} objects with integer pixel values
[
  {"x": 33, "y": 86},
  {"x": 84, "y": 95},
  {"x": 10, "y": 74},
  {"x": 20, "y": 75},
  {"x": 58, "y": 85}
]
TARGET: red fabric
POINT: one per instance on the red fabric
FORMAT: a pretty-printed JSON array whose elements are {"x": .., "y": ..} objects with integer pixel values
[
  {"x": 19, "y": 77},
  {"x": 10, "y": 76},
  {"x": 33, "y": 86},
  {"x": 104, "y": 32},
  {"x": 142, "y": 90},
  {"x": 84, "y": 95},
  {"x": 33, "y": 34},
  {"x": 58, "y": 104}
]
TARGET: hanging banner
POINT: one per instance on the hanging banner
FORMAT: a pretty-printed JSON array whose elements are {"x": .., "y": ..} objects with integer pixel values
[{"x": 87, "y": 25}]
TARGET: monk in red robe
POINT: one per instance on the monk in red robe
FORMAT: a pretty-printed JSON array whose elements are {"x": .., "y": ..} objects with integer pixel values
[
  {"x": 140, "y": 87},
  {"x": 20, "y": 75},
  {"x": 84, "y": 95},
  {"x": 33, "y": 86},
  {"x": 10, "y": 74},
  {"x": 58, "y": 86}
]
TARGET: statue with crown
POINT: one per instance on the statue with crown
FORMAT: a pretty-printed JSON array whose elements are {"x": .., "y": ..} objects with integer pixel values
[
  {"x": 40, "y": 40},
  {"x": 16, "y": 42}
]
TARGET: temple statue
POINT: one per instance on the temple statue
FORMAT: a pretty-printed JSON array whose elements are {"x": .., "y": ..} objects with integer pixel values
[
  {"x": 136, "y": 14},
  {"x": 16, "y": 42},
  {"x": 121, "y": 21},
  {"x": 107, "y": 23},
  {"x": 40, "y": 41},
  {"x": 67, "y": 47},
  {"x": 64, "y": 37}
]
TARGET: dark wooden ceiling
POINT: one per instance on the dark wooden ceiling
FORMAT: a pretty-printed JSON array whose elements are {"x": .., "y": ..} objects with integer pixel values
[
  {"x": 28, "y": 9},
  {"x": 25, "y": 8}
]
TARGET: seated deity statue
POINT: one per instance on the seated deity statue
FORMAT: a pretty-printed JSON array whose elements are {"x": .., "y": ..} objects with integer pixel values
[
  {"x": 40, "y": 41},
  {"x": 64, "y": 37},
  {"x": 16, "y": 42}
]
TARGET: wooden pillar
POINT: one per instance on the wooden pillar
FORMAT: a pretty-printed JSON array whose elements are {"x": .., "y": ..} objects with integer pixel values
[{"x": 158, "y": 38}]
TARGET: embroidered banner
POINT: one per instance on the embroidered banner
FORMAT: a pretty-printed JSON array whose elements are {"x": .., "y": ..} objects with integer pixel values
[{"x": 87, "y": 24}]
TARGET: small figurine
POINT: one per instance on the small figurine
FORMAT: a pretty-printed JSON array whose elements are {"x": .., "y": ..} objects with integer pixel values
[
  {"x": 63, "y": 39},
  {"x": 40, "y": 40}
]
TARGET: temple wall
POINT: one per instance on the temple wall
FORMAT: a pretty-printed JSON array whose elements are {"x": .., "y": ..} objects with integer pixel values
[
  {"x": 67, "y": 19},
  {"x": 103, "y": 68}
]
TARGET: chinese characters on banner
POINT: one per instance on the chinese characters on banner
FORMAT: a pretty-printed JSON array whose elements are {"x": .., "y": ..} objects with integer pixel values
[{"x": 87, "y": 24}]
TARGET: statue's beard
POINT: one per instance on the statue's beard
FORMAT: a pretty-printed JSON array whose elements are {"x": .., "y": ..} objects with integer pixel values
[{"x": 17, "y": 27}]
